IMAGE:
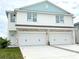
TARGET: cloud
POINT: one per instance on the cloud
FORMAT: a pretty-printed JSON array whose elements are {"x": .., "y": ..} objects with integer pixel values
[
  {"x": 69, "y": 5},
  {"x": 76, "y": 19}
]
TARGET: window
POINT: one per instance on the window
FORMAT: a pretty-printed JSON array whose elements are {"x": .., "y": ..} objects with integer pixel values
[
  {"x": 31, "y": 16},
  {"x": 12, "y": 17},
  {"x": 59, "y": 19},
  {"x": 12, "y": 33}
]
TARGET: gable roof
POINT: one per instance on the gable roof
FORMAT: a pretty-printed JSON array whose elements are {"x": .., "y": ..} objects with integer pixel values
[{"x": 44, "y": 6}]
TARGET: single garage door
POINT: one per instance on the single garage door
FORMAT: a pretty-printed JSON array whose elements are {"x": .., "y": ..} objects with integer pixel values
[
  {"x": 60, "y": 38},
  {"x": 32, "y": 38}
]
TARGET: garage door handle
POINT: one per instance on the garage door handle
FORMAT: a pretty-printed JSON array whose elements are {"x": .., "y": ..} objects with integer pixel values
[
  {"x": 38, "y": 39},
  {"x": 25, "y": 40},
  {"x": 54, "y": 39},
  {"x": 65, "y": 39}
]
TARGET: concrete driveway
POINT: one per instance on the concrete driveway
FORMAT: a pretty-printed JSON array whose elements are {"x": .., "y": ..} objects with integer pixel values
[{"x": 47, "y": 52}]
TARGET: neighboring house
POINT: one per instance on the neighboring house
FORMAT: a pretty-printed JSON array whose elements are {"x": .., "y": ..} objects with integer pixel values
[
  {"x": 76, "y": 25},
  {"x": 39, "y": 24}
]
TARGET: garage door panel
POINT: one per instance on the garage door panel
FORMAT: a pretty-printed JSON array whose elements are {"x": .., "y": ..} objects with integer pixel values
[{"x": 32, "y": 38}]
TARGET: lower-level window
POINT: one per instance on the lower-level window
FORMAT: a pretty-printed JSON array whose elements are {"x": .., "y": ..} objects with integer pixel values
[{"x": 12, "y": 33}]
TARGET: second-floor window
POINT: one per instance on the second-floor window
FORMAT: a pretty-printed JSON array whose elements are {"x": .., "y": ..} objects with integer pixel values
[
  {"x": 31, "y": 16},
  {"x": 59, "y": 19},
  {"x": 12, "y": 18}
]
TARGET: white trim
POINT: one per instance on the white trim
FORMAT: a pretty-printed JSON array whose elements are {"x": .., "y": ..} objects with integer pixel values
[
  {"x": 21, "y": 27},
  {"x": 42, "y": 12}
]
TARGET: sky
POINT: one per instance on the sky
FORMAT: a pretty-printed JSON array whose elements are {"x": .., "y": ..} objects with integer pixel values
[{"x": 70, "y": 5}]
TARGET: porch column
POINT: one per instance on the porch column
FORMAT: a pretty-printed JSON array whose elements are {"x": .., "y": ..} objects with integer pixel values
[
  {"x": 47, "y": 35},
  {"x": 73, "y": 36}
]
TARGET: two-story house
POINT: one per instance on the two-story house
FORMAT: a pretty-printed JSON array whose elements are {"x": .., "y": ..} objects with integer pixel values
[{"x": 39, "y": 24}]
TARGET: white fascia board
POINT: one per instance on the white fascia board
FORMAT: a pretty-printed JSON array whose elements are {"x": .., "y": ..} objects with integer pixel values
[{"x": 42, "y": 12}]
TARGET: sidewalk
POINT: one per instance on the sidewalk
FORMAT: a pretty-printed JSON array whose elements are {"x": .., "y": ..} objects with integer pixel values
[{"x": 73, "y": 48}]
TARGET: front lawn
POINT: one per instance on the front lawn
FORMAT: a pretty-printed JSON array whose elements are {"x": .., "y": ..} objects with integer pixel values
[{"x": 10, "y": 53}]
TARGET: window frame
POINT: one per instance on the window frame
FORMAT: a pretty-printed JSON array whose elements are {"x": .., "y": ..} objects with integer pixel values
[
  {"x": 12, "y": 33},
  {"x": 12, "y": 17},
  {"x": 31, "y": 16},
  {"x": 59, "y": 19}
]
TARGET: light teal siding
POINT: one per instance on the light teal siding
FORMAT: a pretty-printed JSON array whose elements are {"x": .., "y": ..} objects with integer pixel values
[{"x": 41, "y": 7}]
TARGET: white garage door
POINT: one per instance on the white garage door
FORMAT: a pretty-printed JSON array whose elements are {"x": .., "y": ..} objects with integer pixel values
[
  {"x": 60, "y": 38},
  {"x": 32, "y": 38}
]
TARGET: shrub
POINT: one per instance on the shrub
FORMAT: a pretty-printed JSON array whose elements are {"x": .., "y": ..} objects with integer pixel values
[{"x": 4, "y": 43}]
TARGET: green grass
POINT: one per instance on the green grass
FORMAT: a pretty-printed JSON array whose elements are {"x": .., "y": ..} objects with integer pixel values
[{"x": 10, "y": 53}]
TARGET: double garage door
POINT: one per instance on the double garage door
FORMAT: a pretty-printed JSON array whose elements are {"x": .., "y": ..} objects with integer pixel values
[
  {"x": 60, "y": 38},
  {"x": 40, "y": 38},
  {"x": 32, "y": 38}
]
